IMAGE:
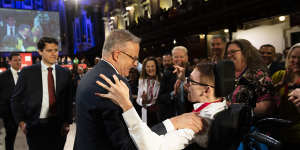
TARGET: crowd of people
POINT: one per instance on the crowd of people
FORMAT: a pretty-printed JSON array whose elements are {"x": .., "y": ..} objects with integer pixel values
[{"x": 165, "y": 102}]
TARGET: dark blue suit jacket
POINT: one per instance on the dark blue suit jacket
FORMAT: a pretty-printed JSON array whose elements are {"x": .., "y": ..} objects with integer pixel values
[
  {"x": 6, "y": 89},
  {"x": 99, "y": 121},
  {"x": 27, "y": 98}
]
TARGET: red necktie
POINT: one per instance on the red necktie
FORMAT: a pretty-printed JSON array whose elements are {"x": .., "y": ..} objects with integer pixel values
[{"x": 51, "y": 89}]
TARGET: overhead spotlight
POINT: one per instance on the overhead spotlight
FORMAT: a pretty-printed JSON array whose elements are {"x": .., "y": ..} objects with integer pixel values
[
  {"x": 281, "y": 18},
  {"x": 174, "y": 42},
  {"x": 128, "y": 8},
  {"x": 226, "y": 30},
  {"x": 202, "y": 36}
]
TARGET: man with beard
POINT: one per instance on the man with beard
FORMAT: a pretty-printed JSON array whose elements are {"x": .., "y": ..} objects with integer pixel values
[
  {"x": 167, "y": 62},
  {"x": 218, "y": 44},
  {"x": 171, "y": 94},
  {"x": 267, "y": 52}
]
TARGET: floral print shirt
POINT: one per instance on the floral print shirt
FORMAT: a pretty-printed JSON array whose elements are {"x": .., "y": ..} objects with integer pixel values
[{"x": 261, "y": 84}]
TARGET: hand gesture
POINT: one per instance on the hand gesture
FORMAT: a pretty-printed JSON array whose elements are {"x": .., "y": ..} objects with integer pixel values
[
  {"x": 145, "y": 100},
  {"x": 294, "y": 97},
  {"x": 65, "y": 129},
  {"x": 176, "y": 86},
  {"x": 22, "y": 125},
  {"x": 180, "y": 72},
  {"x": 117, "y": 93}
]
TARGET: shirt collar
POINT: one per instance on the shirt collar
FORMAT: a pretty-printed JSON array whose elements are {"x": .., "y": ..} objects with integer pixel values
[
  {"x": 111, "y": 65},
  {"x": 13, "y": 70},
  {"x": 45, "y": 67},
  {"x": 197, "y": 105}
]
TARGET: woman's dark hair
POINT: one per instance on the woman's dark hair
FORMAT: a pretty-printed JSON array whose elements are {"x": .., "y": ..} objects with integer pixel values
[
  {"x": 252, "y": 57},
  {"x": 144, "y": 74}
]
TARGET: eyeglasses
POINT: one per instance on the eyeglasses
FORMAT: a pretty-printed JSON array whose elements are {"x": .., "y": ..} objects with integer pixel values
[
  {"x": 135, "y": 59},
  {"x": 192, "y": 82},
  {"x": 233, "y": 51}
]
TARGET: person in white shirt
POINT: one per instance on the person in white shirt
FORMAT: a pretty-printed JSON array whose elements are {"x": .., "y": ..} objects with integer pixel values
[
  {"x": 200, "y": 90},
  {"x": 148, "y": 88}
]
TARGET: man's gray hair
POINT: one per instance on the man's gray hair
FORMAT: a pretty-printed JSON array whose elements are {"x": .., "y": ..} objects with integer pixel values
[
  {"x": 180, "y": 48},
  {"x": 219, "y": 36},
  {"x": 118, "y": 38}
]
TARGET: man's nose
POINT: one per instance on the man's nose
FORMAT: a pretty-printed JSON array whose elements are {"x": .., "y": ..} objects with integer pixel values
[{"x": 135, "y": 63}]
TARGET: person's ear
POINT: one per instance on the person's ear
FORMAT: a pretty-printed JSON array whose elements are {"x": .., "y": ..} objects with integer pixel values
[
  {"x": 115, "y": 55},
  {"x": 40, "y": 52}
]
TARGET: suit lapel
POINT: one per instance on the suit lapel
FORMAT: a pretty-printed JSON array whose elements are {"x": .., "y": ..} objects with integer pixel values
[
  {"x": 58, "y": 78},
  {"x": 11, "y": 78},
  {"x": 39, "y": 81}
]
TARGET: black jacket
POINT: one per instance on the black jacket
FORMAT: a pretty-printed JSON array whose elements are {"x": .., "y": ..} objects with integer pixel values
[
  {"x": 99, "y": 121},
  {"x": 28, "y": 93}
]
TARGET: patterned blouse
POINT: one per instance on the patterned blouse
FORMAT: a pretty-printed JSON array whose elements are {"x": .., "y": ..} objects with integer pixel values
[{"x": 261, "y": 82}]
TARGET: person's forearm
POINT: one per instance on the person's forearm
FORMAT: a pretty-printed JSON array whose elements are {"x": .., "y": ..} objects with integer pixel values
[{"x": 148, "y": 140}]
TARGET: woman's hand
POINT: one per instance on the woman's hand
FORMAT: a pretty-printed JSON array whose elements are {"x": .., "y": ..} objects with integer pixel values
[
  {"x": 294, "y": 97},
  {"x": 118, "y": 92},
  {"x": 145, "y": 100}
]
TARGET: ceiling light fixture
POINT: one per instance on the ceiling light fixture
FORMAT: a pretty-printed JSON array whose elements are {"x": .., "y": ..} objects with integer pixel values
[{"x": 281, "y": 18}]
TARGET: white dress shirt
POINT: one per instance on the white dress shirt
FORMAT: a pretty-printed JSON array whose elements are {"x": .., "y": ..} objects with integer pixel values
[
  {"x": 10, "y": 30},
  {"x": 151, "y": 88},
  {"x": 45, "y": 99},
  {"x": 145, "y": 139},
  {"x": 15, "y": 74}
]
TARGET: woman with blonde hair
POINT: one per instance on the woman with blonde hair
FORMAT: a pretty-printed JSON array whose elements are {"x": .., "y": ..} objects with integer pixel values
[{"x": 285, "y": 82}]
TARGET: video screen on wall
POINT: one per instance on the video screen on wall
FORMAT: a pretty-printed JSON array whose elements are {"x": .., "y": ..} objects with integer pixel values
[{"x": 20, "y": 30}]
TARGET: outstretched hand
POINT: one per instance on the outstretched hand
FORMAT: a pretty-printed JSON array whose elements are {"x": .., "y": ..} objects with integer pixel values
[
  {"x": 188, "y": 120},
  {"x": 118, "y": 92},
  {"x": 180, "y": 72}
]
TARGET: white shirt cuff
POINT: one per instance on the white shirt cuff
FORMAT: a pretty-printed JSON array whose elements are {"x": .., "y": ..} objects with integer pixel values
[
  {"x": 168, "y": 125},
  {"x": 131, "y": 118}
]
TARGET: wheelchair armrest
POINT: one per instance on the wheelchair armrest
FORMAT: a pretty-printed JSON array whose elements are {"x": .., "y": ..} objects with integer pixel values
[
  {"x": 269, "y": 141},
  {"x": 272, "y": 122}
]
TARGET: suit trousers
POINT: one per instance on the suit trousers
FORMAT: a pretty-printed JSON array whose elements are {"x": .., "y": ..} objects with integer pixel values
[
  {"x": 46, "y": 135},
  {"x": 2, "y": 135},
  {"x": 11, "y": 129}
]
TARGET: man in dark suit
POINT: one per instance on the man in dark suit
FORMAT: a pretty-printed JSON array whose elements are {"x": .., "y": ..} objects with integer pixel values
[
  {"x": 9, "y": 27},
  {"x": 171, "y": 99},
  {"x": 99, "y": 121},
  {"x": 42, "y": 100},
  {"x": 8, "y": 34},
  {"x": 8, "y": 80},
  {"x": 267, "y": 51}
]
